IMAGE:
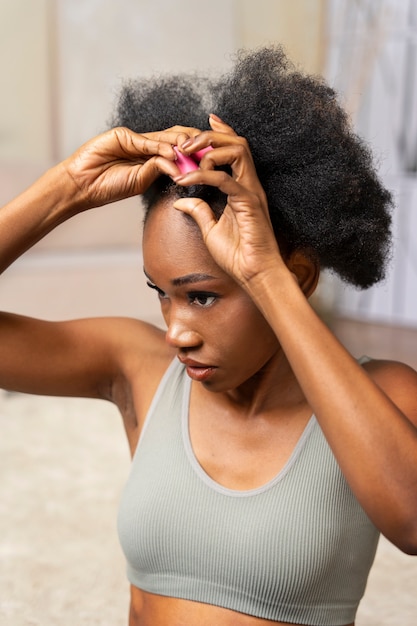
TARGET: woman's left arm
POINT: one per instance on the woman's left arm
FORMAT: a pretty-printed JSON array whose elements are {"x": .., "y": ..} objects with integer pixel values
[{"x": 368, "y": 414}]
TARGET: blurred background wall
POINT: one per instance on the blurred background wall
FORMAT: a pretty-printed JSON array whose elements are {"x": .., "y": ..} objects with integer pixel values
[
  {"x": 371, "y": 58},
  {"x": 62, "y": 63}
]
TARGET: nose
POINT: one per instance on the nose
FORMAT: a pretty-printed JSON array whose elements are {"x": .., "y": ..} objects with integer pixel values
[{"x": 180, "y": 334}]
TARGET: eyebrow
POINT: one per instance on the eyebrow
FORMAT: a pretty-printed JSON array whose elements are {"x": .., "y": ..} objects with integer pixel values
[{"x": 188, "y": 279}]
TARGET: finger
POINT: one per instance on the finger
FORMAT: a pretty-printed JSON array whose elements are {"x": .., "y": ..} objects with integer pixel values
[
  {"x": 201, "y": 144},
  {"x": 240, "y": 197},
  {"x": 163, "y": 166},
  {"x": 238, "y": 157},
  {"x": 188, "y": 130},
  {"x": 214, "y": 178},
  {"x": 204, "y": 139},
  {"x": 134, "y": 145},
  {"x": 217, "y": 124},
  {"x": 200, "y": 211},
  {"x": 153, "y": 168},
  {"x": 176, "y": 135}
]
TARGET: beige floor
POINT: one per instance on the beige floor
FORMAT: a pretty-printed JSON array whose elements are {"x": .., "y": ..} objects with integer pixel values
[{"x": 63, "y": 463}]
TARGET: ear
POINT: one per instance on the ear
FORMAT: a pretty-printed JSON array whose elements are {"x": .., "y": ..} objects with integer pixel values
[{"x": 306, "y": 268}]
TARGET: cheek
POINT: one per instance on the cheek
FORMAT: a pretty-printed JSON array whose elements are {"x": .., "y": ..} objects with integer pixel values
[{"x": 247, "y": 330}]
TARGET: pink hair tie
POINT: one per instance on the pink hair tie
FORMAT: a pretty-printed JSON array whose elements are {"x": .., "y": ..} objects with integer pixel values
[
  {"x": 197, "y": 156},
  {"x": 185, "y": 163},
  {"x": 190, "y": 163}
]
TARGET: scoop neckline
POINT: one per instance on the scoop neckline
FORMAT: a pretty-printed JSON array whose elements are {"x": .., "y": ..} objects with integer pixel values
[{"x": 213, "y": 484}]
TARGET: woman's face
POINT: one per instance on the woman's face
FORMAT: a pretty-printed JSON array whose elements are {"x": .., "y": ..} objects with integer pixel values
[{"x": 213, "y": 324}]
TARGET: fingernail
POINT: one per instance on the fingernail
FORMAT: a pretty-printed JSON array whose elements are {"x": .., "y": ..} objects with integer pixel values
[
  {"x": 216, "y": 118},
  {"x": 187, "y": 143}
]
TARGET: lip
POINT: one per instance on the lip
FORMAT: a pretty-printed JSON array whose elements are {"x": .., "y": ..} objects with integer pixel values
[{"x": 196, "y": 370}]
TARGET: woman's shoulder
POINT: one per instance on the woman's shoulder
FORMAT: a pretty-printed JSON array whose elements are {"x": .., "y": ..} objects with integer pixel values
[
  {"x": 387, "y": 368},
  {"x": 398, "y": 380},
  {"x": 139, "y": 347}
]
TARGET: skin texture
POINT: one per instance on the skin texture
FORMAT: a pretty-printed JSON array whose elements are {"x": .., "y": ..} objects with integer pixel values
[{"x": 268, "y": 373}]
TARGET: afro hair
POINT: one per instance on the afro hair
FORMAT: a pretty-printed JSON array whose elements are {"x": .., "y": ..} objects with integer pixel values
[{"x": 323, "y": 191}]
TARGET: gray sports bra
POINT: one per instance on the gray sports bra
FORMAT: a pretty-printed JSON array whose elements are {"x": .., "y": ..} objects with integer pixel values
[{"x": 296, "y": 550}]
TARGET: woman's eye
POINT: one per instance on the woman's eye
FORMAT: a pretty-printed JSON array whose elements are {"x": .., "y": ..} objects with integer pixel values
[
  {"x": 161, "y": 294},
  {"x": 202, "y": 299}
]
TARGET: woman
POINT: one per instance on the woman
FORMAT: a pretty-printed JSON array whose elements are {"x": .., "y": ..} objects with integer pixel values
[{"x": 266, "y": 460}]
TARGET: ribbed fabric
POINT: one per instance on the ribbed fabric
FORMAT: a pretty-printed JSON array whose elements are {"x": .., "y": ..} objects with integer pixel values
[{"x": 297, "y": 550}]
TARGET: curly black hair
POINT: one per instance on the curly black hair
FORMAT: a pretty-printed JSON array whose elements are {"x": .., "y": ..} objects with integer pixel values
[{"x": 323, "y": 191}]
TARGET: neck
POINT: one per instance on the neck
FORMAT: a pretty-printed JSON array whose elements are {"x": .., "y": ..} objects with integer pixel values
[{"x": 273, "y": 388}]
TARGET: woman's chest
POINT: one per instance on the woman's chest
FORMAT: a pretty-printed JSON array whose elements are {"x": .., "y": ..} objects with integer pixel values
[
  {"x": 253, "y": 550},
  {"x": 242, "y": 453}
]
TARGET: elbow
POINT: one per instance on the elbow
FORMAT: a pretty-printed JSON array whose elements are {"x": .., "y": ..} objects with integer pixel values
[
  {"x": 406, "y": 538},
  {"x": 408, "y": 548}
]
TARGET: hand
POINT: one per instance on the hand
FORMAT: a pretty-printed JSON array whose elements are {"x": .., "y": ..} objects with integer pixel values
[
  {"x": 242, "y": 241},
  {"x": 120, "y": 163}
]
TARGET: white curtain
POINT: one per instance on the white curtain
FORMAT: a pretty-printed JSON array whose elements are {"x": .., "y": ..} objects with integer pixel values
[{"x": 372, "y": 62}]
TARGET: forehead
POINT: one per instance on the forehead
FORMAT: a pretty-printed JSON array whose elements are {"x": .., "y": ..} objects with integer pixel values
[{"x": 173, "y": 245}]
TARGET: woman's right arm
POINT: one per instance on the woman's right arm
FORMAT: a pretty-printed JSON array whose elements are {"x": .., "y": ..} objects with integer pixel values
[
  {"x": 78, "y": 357},
  {"x": 115, "y": 165}
]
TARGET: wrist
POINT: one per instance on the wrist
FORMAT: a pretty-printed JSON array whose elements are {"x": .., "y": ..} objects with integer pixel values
[
  {"x": 274, "y": 277},
  {"x": 69, "y": 196},
  {"x": 275, "y": 290},
  {"x": 56, "y": 195}
]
